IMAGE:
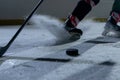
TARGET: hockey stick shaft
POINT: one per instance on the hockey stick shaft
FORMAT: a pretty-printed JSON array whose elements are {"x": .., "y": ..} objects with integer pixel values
[{"x": 4, "y": 49}]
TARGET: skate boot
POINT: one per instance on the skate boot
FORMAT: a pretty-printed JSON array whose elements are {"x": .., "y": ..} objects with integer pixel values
[
  {"x": 109, "y": 27},
  {"x": 74, "y": 32}
]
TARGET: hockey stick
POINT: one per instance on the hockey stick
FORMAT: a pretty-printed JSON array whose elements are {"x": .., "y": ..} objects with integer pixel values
[{"x": 5, "y": 48}]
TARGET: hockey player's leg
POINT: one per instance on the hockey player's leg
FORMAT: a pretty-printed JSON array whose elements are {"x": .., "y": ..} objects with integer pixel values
[
  {"x": 81, "y": 10},
  {"x": 111, "y": 24}
]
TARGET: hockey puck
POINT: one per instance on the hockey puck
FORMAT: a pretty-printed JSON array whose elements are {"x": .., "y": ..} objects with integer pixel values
[{"x": 72, "y": 52}]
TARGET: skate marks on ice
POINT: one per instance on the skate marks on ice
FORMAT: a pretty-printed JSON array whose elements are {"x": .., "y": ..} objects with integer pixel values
[
  {"x": 102, "y": 40},
  {"x": 77, "y": 69},
  {"x": 97, "y": 40},
  {"x": 82, "y": 45},
  {"x": 88, "y": 44},
  {"x": 48, "y": 71},
  {"x": 95, "y": 72},
  {"x": 112, "y": 41}
]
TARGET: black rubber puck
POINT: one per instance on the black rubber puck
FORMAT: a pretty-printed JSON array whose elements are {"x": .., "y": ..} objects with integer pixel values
[{"x": 72, "y": 52}]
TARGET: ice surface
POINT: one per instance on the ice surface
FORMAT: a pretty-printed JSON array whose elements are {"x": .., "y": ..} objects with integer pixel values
[{"x": 32, "y": 53}]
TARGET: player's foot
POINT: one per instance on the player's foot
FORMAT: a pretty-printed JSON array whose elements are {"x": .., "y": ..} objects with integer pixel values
[
  {"x": 74, "y": 32},
  {"x": 109, "y": 27}
]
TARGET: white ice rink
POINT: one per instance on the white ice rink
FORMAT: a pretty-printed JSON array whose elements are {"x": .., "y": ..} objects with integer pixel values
[{"x": 32, "y": 55}]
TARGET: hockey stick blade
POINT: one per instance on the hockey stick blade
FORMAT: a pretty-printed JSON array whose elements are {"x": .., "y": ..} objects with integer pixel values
[{"x": 2, "y": 51}]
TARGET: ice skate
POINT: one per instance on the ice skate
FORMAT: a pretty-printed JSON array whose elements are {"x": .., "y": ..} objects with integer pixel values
[
  {"x": 114, "y": 29},
  {"x": 74, "y": 32}
]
